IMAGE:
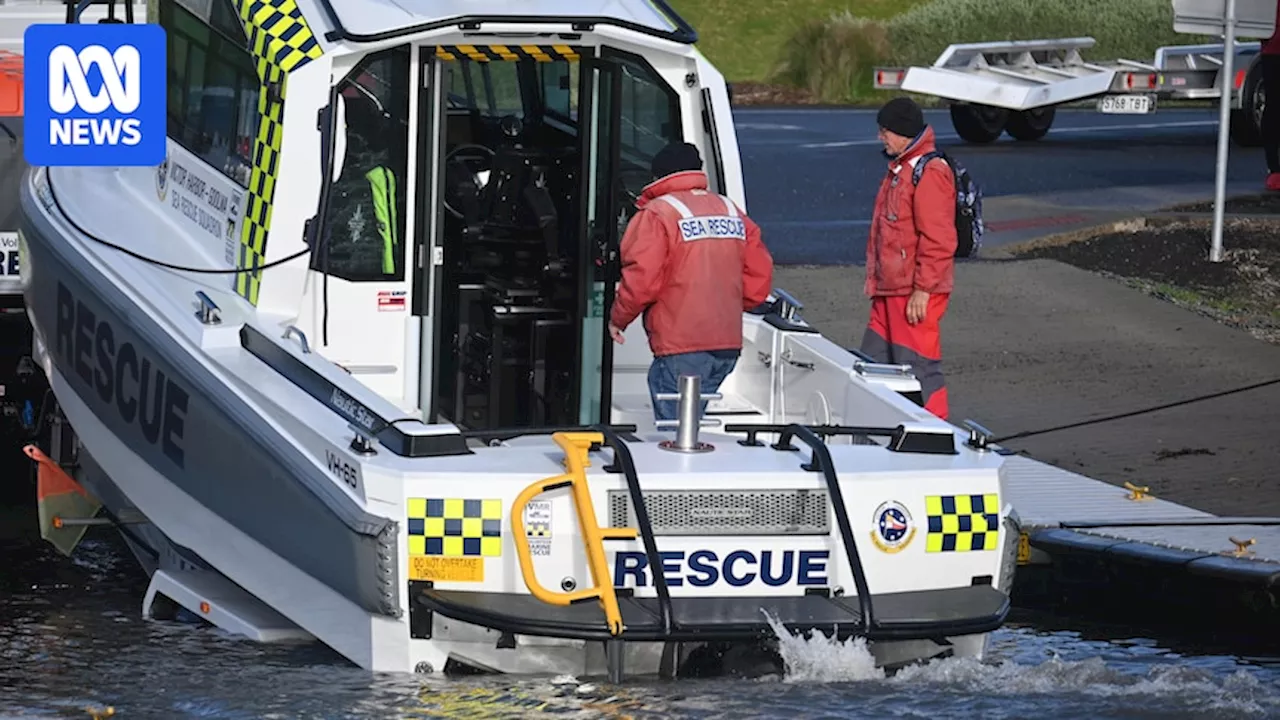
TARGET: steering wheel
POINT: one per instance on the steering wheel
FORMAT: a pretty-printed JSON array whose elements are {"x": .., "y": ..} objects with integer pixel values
[{"x": 463, "y": 166}]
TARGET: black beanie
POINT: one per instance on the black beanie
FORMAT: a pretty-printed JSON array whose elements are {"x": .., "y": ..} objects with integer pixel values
[
  {"x": 674, "y": 158},
  {"x": 901, "y": 116}
]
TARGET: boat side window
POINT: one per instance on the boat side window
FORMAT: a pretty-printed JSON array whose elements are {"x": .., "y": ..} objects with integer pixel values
[
  {"x": 490, "y": 89},
  {"x": 458, "y": 86},
  {"x": 502, "y": 89},
  {"x": 212, "y": 104},
  {"x": 559, "y": 85},
  {"x": 650, "y": 120},
  {"x": 364, "y": 222}
]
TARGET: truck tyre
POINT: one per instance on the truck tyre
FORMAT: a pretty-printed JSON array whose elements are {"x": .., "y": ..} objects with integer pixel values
[
  {"x": 978, "y": 123},
  {"x": 1030, "y": 124},
  {"x": 1246, "y": 123}
]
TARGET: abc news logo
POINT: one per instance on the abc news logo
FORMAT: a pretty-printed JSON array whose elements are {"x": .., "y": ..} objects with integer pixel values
[
  {"x": 99, "y": 90},
  {"x": 69, "y": 90}
]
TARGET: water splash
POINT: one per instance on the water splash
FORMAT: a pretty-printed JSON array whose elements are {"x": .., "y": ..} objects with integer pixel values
[{"x": 822, "y": 659}]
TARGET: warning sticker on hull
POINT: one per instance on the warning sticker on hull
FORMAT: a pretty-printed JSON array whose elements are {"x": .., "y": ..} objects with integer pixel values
[
  {"x": 391, "y": 300},
  {"x": 446, "y": 569}
]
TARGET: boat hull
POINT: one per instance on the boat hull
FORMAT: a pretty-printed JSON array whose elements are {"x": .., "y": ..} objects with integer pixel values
[
  {"x": 472, "y": 646},
  {"x": 192, "y": 456}
]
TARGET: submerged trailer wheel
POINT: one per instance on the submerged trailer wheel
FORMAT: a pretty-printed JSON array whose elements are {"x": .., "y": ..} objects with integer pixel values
[
  {"x": 978, "y": 123},
  {"x": 1030, "y": 124},
  {"x": 1246, "y": 123}
]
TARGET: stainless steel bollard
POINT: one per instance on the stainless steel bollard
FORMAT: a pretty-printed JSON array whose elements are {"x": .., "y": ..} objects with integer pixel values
[
  {"x": 687, "y": 430},
  {"x": 688, "y": 422}
]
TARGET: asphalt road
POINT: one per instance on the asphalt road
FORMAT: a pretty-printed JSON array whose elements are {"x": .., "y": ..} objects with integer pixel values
[{"x": 811, "y": 175}]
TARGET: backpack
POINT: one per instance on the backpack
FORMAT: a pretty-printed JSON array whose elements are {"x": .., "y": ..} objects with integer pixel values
[{"x": 969, "y": 227}]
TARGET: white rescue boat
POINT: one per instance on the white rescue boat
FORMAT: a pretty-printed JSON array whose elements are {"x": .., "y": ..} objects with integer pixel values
[{"x": 392, "y": 419}]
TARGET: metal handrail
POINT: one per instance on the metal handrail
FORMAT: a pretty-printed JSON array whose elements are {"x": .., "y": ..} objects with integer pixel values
[
  {"x": 575, "y": 446},
  {"x": 821, "y": 461},
  {"x": 76, "y": 9},
  {"x": 302, "y": 337},
  {"x": 752, "y": 431},
  {"x": 624, "y": 463},
  {"x": 207, "y": 311}
]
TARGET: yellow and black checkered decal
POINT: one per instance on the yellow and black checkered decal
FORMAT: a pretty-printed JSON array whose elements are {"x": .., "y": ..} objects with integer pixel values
[
  {"x": 961, "y": 523},
  {"x": 455, "y": 527},
  {"x": 507, "y": 53},
  {"x": 281, "y": 42}
]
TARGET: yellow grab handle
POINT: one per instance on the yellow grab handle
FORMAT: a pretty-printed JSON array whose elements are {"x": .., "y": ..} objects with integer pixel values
[
  {"x": 551, "y": 597},
  {"x": 575, "y": 446}
]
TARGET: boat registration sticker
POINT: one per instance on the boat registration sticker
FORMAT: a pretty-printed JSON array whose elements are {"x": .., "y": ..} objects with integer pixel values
[{"x": 446, "y": 569}]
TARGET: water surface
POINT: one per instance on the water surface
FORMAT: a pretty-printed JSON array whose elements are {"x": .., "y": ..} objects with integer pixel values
[{"x": 72, "y": 640}]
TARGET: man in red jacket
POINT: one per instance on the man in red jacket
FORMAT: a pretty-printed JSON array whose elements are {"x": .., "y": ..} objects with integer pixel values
[
  {"x": 692, "y": 262},
  {"x": 911, "y": 253}
]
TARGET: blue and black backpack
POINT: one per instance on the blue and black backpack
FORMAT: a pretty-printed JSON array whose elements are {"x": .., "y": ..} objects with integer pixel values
[{"x": 969, "y": 227}]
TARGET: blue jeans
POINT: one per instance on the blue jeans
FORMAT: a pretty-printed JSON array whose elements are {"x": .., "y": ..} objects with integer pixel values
[{"x": 664, "y": 376}]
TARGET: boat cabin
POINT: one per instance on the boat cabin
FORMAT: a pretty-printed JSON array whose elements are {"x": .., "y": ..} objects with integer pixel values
[{"x": 458, "y": 174}]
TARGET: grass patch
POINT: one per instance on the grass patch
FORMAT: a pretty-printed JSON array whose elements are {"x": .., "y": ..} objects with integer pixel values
[
  {"x": 1193, "y": 298},
  {"x": 1132, "y": 29},
  {"x": 829, "y": 58},
  {"x": 745, "y": 39},
  {"x": 1182, "y": 295},
  {"x": 832, "y": 56}
]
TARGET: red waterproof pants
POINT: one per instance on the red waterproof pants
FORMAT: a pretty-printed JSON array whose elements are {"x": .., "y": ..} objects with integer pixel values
[{"x": 889, "y": 338}]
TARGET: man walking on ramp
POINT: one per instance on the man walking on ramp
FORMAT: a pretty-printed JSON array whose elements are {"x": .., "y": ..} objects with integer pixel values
[{"x": 911, "y": 252}]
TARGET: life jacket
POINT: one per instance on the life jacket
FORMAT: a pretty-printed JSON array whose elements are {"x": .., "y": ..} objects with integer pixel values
[{"x": 382, "y": 185}]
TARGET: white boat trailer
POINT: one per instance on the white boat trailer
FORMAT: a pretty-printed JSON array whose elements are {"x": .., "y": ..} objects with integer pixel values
[{"x": 1015, "y": 87}]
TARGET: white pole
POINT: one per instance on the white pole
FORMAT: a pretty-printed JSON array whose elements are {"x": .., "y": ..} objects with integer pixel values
[{"x": 1224, "y": 130}]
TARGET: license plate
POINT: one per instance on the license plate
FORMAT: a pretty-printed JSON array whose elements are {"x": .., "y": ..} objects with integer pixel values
[{"x": 1126, "y": 104}]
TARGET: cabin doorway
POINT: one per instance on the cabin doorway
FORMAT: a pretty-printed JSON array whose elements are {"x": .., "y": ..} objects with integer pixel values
[{"x": 539, "y": 154}]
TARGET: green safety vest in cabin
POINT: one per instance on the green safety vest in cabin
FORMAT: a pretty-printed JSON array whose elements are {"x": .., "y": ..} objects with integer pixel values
[{"x": 382, "y": 184}]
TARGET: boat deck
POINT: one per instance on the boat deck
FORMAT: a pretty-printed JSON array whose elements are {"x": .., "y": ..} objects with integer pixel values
[{"x": 1062, "y": 512}]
